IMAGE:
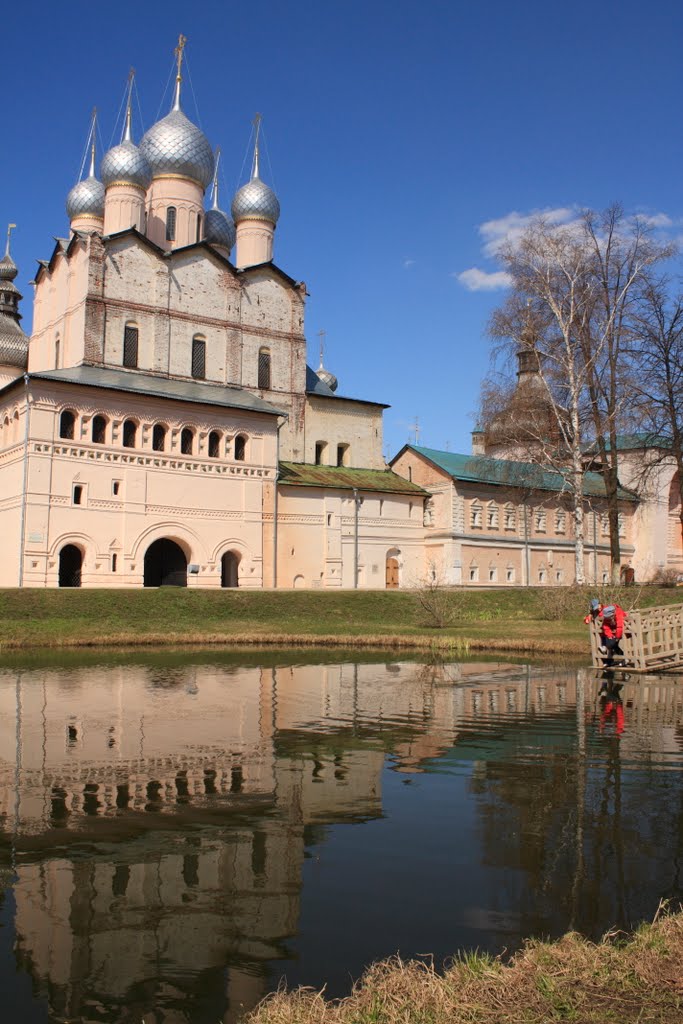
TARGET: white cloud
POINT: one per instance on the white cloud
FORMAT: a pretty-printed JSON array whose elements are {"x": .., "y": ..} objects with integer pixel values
[
  {"x": 407, "y": 264},
  {"x": 656, "y": 220},
  {"x": 512, "y": 226},
  {"x": 476, "y": 280}
]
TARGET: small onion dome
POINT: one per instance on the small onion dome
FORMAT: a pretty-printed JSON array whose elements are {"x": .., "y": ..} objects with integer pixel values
[
  {"x": 327, "y": 378},
  {"x": 126, "y": 164},
  {"x": 87, "y": 197},
  {"x": 255, "y": 201},
  {"x": 219, "y": 228},
  {"x": 8, "y": 268},
  {"x": 176, "y": 146},
  {"x": 13, "y": 344}
]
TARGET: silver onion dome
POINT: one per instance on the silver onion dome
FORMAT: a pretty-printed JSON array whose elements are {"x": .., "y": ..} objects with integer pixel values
[
  {"x": 87, "y": 197},
  {"x": 8, "y": 268},
  {"x": 327, "y": 378},
  {"x": 13, "y": 344},
  {"x": 219, "y": 229},
  {"x": 255, "y": 200},
  {"x": 125, "y": 162},
  {"x": 176, "y": 146}
]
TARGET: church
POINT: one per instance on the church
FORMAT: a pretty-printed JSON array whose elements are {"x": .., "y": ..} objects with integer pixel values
[{"x": 161, "y": 425}]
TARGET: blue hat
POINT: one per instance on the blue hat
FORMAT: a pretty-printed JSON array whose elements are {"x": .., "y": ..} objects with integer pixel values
[
  {"x": 595, "y": 604},
  {"x": 608, "y": 612}
]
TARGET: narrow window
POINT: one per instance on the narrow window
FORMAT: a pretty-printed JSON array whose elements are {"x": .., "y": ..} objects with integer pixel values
[
  {"x": 99, "y": 427},
  {"x": 475, "y": 514},
  {"x": 199, "y": 227},
  {"x": 115, "y": 487},
  {"x": 493, "y": 574},
  {"x": 342, "y": 454},
  {"x": 170, "y": 224},
  {"x": 113, "y": 563},
  {"x": 410, "y": 473},
  {"x": 381, "y": 506},
  {"x": 159, "y": 437},
  {"x": 492, "y": 515},
  {"x": 474, "y": 573},
  {"x": 130, "y": 430},
  {"x": 67, "y": 422},
  {"x": 329, "y": 519},
  {"x": 214, "y": 444},
  {"x": 510, "y": 575},
  {"x": 320, "y": 447},
  {"x": 510, "y": 517},
  {"x": 264, "y": 368},
  {"x": 130, "y": 346},
  {"x": 78, "y": 494},
  {"x": 198, "y": 358},
  {"x": 186, "y": 441},
  {"x": 240, "y": 448},
  {"x": 58, "y": 353}
]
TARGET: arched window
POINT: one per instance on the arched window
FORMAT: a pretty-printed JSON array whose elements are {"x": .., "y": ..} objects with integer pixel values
[
  {"x": 510, "y": 517},
  {"x": 159, "y": 437},
  {"x": 130, "y": 430},
  {"x": 560, "y": 521},
  {"x": 492, "y": 515},
  {"x": 214, "y": 444},
  {"x": 67, "y": 423},
  {"x": 99, "y": 429},
  {"x": 320, "y": 447},
  {"x": 186, "y": 441},
  {"x": 198, "y": 357},
  {"x": 130, "y": 346},
  {"x": 342, "y": 454},
  {"x": 475, "y": 514},
  {"x": 170, "y": 224},
  {"x": 240, "y": 448},
  {"x": 539, "y": 519},
  {"x": 264, "y": 368}
]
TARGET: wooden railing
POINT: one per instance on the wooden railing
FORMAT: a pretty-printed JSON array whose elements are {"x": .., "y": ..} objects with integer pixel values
[{"x": 652, "y": 641}]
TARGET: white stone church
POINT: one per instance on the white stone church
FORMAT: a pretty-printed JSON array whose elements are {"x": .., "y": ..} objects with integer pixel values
[{"x": 161, "y": 426}]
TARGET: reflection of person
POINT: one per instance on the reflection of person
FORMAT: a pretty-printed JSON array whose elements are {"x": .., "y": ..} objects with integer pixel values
[
  {"x": 611, "y": 631},
  {"x": 611, "y": 705}
]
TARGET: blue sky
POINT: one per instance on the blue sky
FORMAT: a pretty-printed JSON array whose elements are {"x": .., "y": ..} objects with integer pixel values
[{"x": 403, "y": 140}]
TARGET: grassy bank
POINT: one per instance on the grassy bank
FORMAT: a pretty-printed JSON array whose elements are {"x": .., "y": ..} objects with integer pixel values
[
  {"x": 529, "y": 620},
  {"x": 639, "y": 981}
]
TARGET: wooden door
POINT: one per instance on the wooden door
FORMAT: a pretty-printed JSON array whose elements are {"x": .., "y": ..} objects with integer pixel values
[{"x": 392, "y": 574}]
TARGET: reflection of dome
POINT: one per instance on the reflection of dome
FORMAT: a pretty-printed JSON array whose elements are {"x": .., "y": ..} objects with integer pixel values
[
  {"x": 327, "y": 378},
  {"x": 86, "y": 198},
  {"x": 218, "y": 228},
  {"x": 125, "y": 163},
  {"x": 176, "y": 146},
  {"x": 255, "y": 201}
]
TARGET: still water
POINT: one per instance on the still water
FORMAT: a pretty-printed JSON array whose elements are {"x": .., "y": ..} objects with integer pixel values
[{"x": 179, "y": 833}]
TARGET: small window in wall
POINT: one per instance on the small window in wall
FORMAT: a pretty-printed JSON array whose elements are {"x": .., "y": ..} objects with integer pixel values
[
  {"x": 186, "y": 441},
  {"x": 320, "y": 447},
  {"x": 342, "y": 454},
  {"x": 198, "y": 358},
  {"x": 130, "y": 430},
  {"x": 67, "y": 423},
  {"x": 604, "y": 524},
  {"x": 510, "y": 517},
  {"x": 130, "y": 346},
  {"x": 539, "y": 520},
  {"x": 381, "y": 506},
  {"x": 560, "y": 521},
  {"x": 170, "y": 224},
  {"x": 115, "y": 487},
  {"x": 199, "y": 227},
  {"x": 622, "y": 525},
  {"x": 240, "y": 448},
  {"x": 113, "y": 562},
  {"x": 58, "y": 353},
  {"x": 264, "y": 368},
  {"x": 159, "y": 438},
  {"x": 559, "y": 576},
  {"x": 214, "y": 444},
  {"x": 410, "y": 474},
  {"x": 78, "y": 494},
  {"x": 509, "y": 574},
  {"x": 493, "y": 574},
  {"x": 410, "y": 510},
  {"x": 474, "y": 574},
  {"x": 99, "y": 429},
  {"x": 329, "y": 519},
  {"x": 492, "y": 515},
  {"x": 475, "y": 515},
  {"x": 542, "y": 576}
]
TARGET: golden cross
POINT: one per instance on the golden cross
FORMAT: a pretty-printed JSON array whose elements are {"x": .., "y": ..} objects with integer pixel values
[{"x": 179, "y": 51}]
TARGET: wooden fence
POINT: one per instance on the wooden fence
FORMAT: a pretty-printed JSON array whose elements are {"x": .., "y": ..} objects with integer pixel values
[{"x": 652, "y": 641}]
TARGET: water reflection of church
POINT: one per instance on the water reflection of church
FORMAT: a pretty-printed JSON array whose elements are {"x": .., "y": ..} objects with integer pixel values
[{"x": 203, "y": 788}]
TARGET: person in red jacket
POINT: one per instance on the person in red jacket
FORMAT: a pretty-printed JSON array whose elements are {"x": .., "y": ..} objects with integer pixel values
[{"x": 612, "y": 630}]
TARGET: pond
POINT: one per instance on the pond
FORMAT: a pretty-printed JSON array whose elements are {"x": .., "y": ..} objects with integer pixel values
[{"x": 178, "y": 833}]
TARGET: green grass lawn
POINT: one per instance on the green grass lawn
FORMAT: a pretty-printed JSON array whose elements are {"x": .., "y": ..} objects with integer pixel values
[{"x": 515, "y": 619}]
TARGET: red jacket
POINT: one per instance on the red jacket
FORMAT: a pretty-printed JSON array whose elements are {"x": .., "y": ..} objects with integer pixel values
[{"x": 613, "y": 628}]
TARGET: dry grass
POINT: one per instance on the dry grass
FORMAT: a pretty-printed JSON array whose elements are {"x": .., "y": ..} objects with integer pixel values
[{"x": 638, "y": 981}]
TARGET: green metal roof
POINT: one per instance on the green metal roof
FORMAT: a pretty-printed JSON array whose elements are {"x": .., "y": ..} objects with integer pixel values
[
  {"x": 506, "y": 473},
  {"x": 299, "y": 474}
]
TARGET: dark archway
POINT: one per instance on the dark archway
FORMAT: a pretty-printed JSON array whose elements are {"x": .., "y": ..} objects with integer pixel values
[
  {"x": 165, "y": 565},
  {"x": 229, "y": 564},
  {"x": 70, "y": 565}
]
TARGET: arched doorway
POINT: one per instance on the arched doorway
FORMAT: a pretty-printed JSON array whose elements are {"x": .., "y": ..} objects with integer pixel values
[
  {"x": 391, "y": 574},
  {"x": 165, "y": 565},
  {"x": 229, "y": 563},
  {"x": 70, "y": 565}
]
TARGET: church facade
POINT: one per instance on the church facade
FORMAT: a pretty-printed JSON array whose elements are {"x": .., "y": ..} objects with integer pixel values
[{"x": 161, "y": 425}]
